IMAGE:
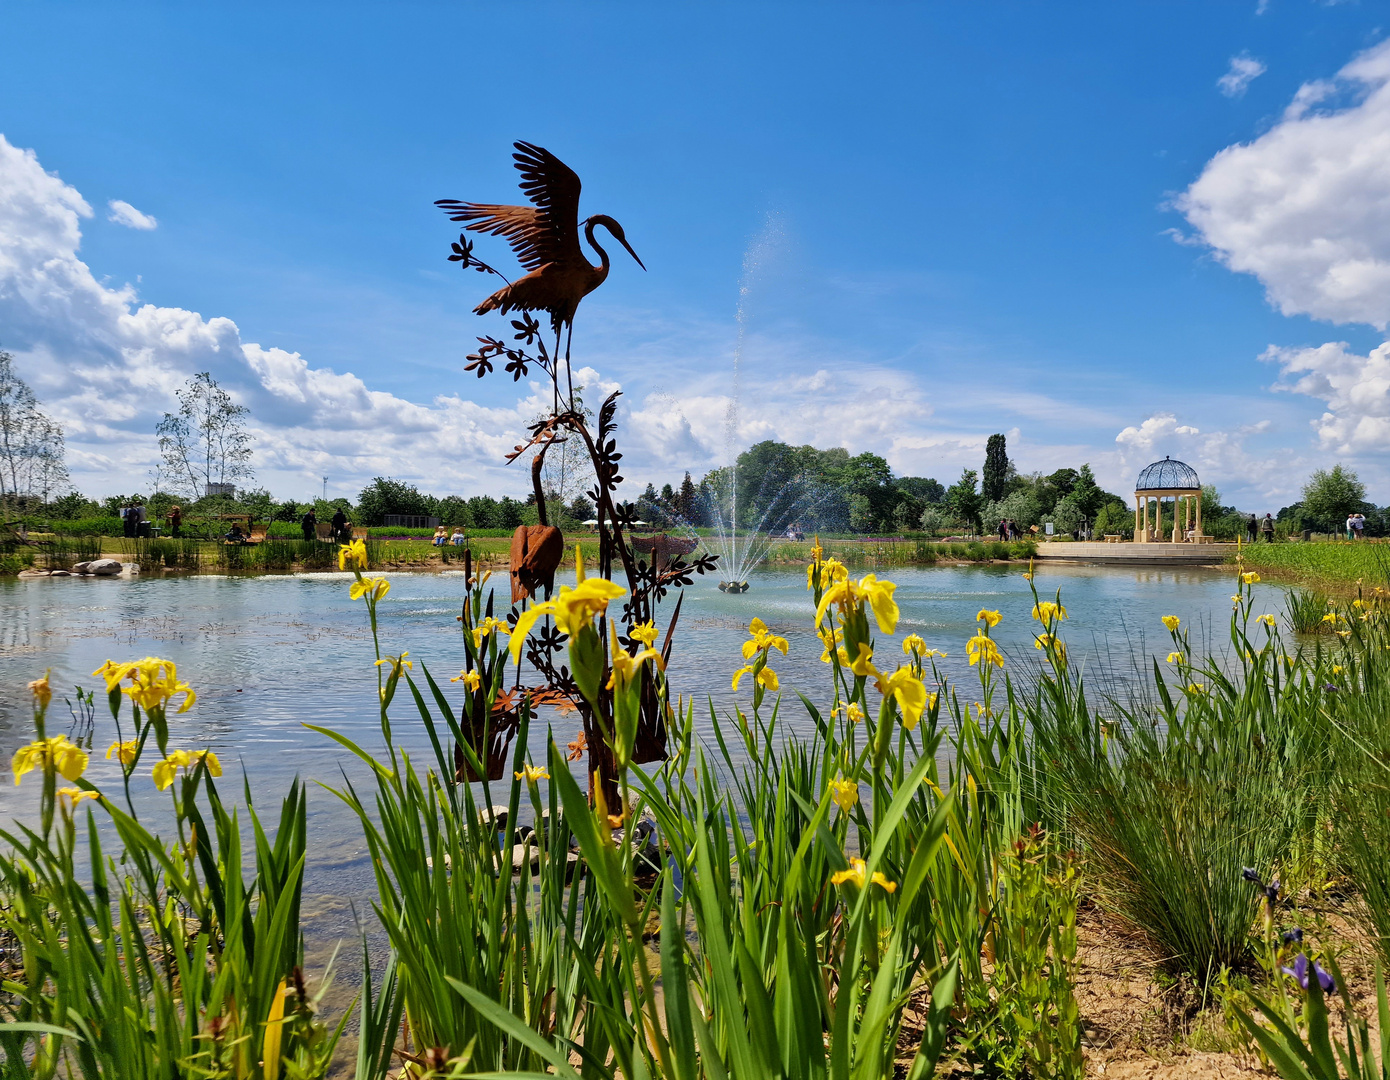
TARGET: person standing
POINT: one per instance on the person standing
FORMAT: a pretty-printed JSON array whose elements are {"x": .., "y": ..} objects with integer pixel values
[
  {"x": 1358, "y": 524},
  {"x": 340, "y": 526},
  {"x": 1251, "y": 527},
  {"x": 308, "y": 524},
  {"x": 127, "y": 522},
  {"x": 175, "y": 521},
  {"x": 1267, "y": 527}
]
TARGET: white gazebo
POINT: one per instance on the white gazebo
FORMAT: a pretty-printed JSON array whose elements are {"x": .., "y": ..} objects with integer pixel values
[{"x": 1168, "y": 479}]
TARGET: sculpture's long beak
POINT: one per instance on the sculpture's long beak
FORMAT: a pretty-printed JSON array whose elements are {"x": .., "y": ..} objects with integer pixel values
[{"x": 632, "y": 253}]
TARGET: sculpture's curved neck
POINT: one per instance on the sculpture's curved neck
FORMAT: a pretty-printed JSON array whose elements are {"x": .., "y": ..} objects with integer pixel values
[{"x": 589, "y": 236}]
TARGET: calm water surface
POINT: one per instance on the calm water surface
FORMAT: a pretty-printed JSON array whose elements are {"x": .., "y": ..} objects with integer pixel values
[{"x": 270, "y": 654}]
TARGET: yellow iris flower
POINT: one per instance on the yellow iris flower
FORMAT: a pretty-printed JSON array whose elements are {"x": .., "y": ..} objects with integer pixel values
[
  {"x": 124, "y": 751},
  {"x": 913, "y": 643},
  {"x": 831, "y": 571},
  {"x": 1268, "y": 620},
  {"x": 646, "y": 633},
  {"x": 43, "y": 693},
  {"x": 1171, "y": 622},
  {"x": 373, "y": 587},
  {"x": 1046, "y": 611},
  {"x": 845, "y": 794},
  {"x": 471, "y": 679},
  {"x": 153, "y": 682},
  {"x": 856, "y": 873},
  {"x": 1331, "y": 617},
  {"x": 989, "y": 618},
  {"x": 532, "y": 773},
  {"x": 848, "y": 593},
  {"x": 626, "y": 667},
  {"x": 72, "y": 795},
  {"x": 909, "y": 691},
  {"x": 69, "y": 759},
  {"x": 573, "y": 610},
  {"x": 1250, "y": 577},
  {"x": 766, "y": 678},
  {"x": 490, "y": 626},
  {"x": 983, "y": 648},
  {"x": 397, "y": 663},
  {"x": 833, "y": 639},
  {"x": 1175, "y": 658},
  {"x": 163, "y": 774},
  {"x": 355, "y": 552},
  {"x": 761, "y": 641}
]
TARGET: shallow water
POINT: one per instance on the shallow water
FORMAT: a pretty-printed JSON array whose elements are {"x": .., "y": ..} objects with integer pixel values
[{"x": 268, "y": 654}]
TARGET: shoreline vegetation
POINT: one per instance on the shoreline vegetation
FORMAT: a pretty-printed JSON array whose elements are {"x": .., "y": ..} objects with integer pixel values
[
  {"x": 1333, "y": 567},
  {"x": 488, "y": 552},
  {"x": 868, "y": 909}
]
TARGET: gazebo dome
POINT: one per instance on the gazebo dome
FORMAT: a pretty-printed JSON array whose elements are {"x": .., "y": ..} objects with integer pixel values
[{"x": 1168, "y": 475}]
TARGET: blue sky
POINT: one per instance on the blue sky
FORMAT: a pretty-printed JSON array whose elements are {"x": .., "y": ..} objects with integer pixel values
[{"x": 965, "y": 218}]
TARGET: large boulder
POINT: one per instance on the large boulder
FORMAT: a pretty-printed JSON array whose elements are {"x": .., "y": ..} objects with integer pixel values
[
  {"x": 104, "y": 567},
  {"x": 79, "y": 569}
]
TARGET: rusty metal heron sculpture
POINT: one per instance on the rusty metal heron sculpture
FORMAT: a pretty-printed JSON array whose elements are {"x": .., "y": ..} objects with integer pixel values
[{"x": 545, "y": 239}]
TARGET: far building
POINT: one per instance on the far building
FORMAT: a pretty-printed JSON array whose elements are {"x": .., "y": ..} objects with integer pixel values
[{"x": 1168, "y": 479}]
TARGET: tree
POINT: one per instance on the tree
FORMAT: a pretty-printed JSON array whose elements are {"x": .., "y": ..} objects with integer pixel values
[
  {"x": 996, "y": 473},
  {"x": 932, "y": 519},
  {"x": 383, "y": 496},
  {"x": 206, "y": 441},
  {"x": 1329, "y": 496},
  {"x": 1087, "y": 493},
  {"x": 1067, "y": 515},
  {"x": 1020, "y": 507},
  {"x": 964, "y": 501},
  {"x": 31, "y": 444},
  {"x": 922, "y": 487},
  {"x": 686, "y": 499}
]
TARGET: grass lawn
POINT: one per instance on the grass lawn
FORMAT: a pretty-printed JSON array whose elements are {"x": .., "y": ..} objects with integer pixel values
[{"x": 1337, "y": 563}]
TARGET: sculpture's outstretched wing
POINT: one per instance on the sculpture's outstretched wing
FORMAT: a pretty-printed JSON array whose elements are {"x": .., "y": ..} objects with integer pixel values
[{"x": 545, "y": 233}]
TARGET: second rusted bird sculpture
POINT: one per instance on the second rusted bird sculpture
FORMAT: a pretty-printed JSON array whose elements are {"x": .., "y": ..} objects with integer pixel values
[{"x": 545, "y": 239}]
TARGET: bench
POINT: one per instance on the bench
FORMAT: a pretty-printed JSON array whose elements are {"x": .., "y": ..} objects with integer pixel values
[{"x": 1114, "y": 538}]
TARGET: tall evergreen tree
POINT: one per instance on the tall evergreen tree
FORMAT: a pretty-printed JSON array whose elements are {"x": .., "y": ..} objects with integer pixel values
[
  {"x": 996, "y": 472},
  {"x": 686, "y": 500}
]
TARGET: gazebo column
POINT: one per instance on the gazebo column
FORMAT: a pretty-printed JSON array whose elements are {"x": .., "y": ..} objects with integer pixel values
[
  {"x": 1158, "y": 518},
  {"x": 1199, "y": 515},
  {"x": 1136, "y": 518}
]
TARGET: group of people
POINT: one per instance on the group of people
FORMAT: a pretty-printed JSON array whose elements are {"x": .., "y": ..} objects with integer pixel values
[
  {"x": 1008, "y": 530},
  {"x": 1356, "y": 526},
  {"x": 133, "y": 521},
  {"x": 1257, "y": 526},
  {"x": 443, "y": 538},
  {"x": 341, "y": 526}
]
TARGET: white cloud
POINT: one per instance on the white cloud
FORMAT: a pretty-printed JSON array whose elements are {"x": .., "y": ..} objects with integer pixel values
[
  {"x": 1244, "y": 70},
  {"x": 1221, "y": 457},
  {"x": 1355, "y": 389},
  {"x": 106, "y": 366},
  {"x": 1306, "y": 206},
  {"x": 122, "y": 213}
]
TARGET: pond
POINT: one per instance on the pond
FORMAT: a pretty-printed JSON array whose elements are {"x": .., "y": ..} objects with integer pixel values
[{"x": 268, "y": 654}]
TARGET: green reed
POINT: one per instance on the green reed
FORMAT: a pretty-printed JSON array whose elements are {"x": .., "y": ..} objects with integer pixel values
[{"x": 162, "y": 959}]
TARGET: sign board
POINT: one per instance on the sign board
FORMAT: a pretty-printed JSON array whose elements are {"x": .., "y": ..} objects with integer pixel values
[{"x": 1048, "y": 528}]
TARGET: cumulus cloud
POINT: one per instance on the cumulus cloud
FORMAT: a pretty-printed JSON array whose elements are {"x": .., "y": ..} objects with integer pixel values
[
  {"x": 1244, "y": 70},
  {"x": 1306, "y": 206},
  {"x": 106, "y": 364},
  {"x": 122, "y": 213},
  {"x": 1355, "y": 389},
  {"x": 1219, "y": 456}
]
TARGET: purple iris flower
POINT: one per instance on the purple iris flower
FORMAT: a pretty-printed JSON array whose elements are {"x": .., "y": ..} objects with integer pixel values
[
  {"x": 1293, "y": 936},
  {"x": 1300, "y": 973}
]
